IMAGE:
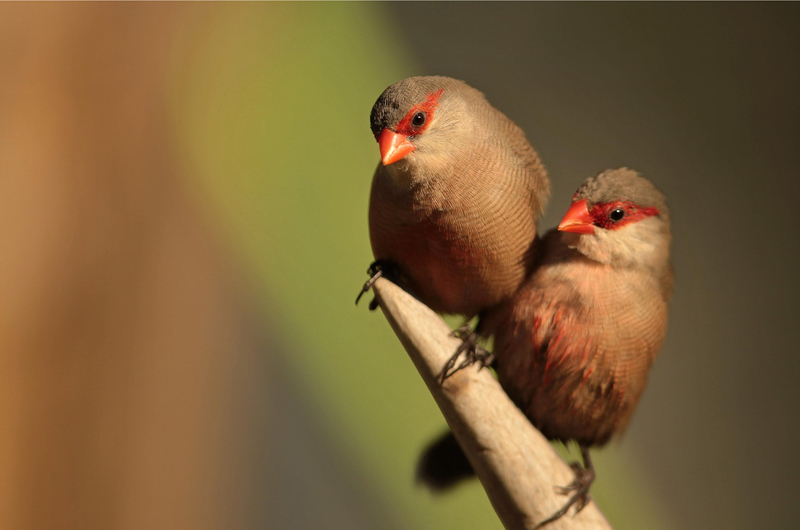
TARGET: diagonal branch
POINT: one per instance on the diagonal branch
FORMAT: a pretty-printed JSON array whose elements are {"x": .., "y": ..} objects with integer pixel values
[{"x": 517, "y": 466}]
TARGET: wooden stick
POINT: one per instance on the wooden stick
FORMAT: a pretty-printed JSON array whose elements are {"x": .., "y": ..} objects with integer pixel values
[{"x": 517, "y": 466}]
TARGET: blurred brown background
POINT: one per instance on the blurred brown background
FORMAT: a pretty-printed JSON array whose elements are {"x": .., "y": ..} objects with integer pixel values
[{"x": 183, "y": 231}]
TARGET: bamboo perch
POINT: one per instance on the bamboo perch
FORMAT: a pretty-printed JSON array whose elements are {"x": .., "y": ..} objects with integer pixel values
[{"x": 517, "y": 466}]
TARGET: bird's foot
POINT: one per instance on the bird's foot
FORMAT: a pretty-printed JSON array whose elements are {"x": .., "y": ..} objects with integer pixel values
[
  {"x": 584, "y": 476},
  {"x": 473, "y": 353},
  {"x": 378, "y": 268}
]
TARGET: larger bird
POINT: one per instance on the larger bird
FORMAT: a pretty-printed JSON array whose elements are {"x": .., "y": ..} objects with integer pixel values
[
  {"x": 456, "y": 197},
  {"x": 575, "y": 345}
]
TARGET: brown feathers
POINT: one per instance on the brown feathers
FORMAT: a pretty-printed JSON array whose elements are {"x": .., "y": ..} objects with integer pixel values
[
  {"x": 579, "y": 317},
  {"x": 575, "y": 345},
  {"x": 458, "y": 214}
]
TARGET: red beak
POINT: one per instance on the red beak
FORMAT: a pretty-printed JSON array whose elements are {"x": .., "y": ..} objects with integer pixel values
[
  {"x": 393, "y": 146},
  {"x": 578, "y": 219}
]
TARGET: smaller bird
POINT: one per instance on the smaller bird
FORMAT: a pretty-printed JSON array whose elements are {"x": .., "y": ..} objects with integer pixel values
[{"x": 575, "y": 344}]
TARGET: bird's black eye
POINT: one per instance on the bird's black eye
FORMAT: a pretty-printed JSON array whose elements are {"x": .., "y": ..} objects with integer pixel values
[
  {"x": 616, "y": 214},
  {"x": 418, "y": 120}
]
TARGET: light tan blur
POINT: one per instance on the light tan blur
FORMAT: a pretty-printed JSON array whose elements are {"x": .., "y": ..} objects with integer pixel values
[{"x": 119, "y": 331}]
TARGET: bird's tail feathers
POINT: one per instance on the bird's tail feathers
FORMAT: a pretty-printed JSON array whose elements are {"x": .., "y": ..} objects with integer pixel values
[{"x": 443, "y": 464}]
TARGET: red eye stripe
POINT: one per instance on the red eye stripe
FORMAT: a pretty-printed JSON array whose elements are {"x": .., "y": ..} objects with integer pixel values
[
  {"x": 602, "y": 210},
  {"x": 406, "y": 129}
]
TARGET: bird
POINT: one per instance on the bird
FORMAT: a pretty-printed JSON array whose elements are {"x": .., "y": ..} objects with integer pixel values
[
  {"x": 455, "y": 198},
  {"x": 574, "y": 346}
]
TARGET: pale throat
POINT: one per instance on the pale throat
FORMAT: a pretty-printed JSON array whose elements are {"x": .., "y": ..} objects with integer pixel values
[
  {"x": 418, "y": 170},
  {"x": 639, "y": 246},
  {"x": 401, "y": 175}
]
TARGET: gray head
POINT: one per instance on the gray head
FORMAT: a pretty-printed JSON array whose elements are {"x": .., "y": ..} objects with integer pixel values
[
  {"x": 622, "y": 219},
  {"x": 623, "y": 185},
  {"x": 426, "y": 116}
]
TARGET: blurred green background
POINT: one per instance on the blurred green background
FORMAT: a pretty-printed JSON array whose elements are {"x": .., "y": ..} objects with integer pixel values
[{"x": 186, "y": 232}]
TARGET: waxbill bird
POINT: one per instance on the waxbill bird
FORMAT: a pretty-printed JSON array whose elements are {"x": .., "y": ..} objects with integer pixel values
[
  {"x": 455, "y": 198},
  {"x": 575, "y": 345}
]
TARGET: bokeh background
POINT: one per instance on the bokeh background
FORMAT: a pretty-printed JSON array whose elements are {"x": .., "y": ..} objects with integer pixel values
[{"x": 183, "y": 232}]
